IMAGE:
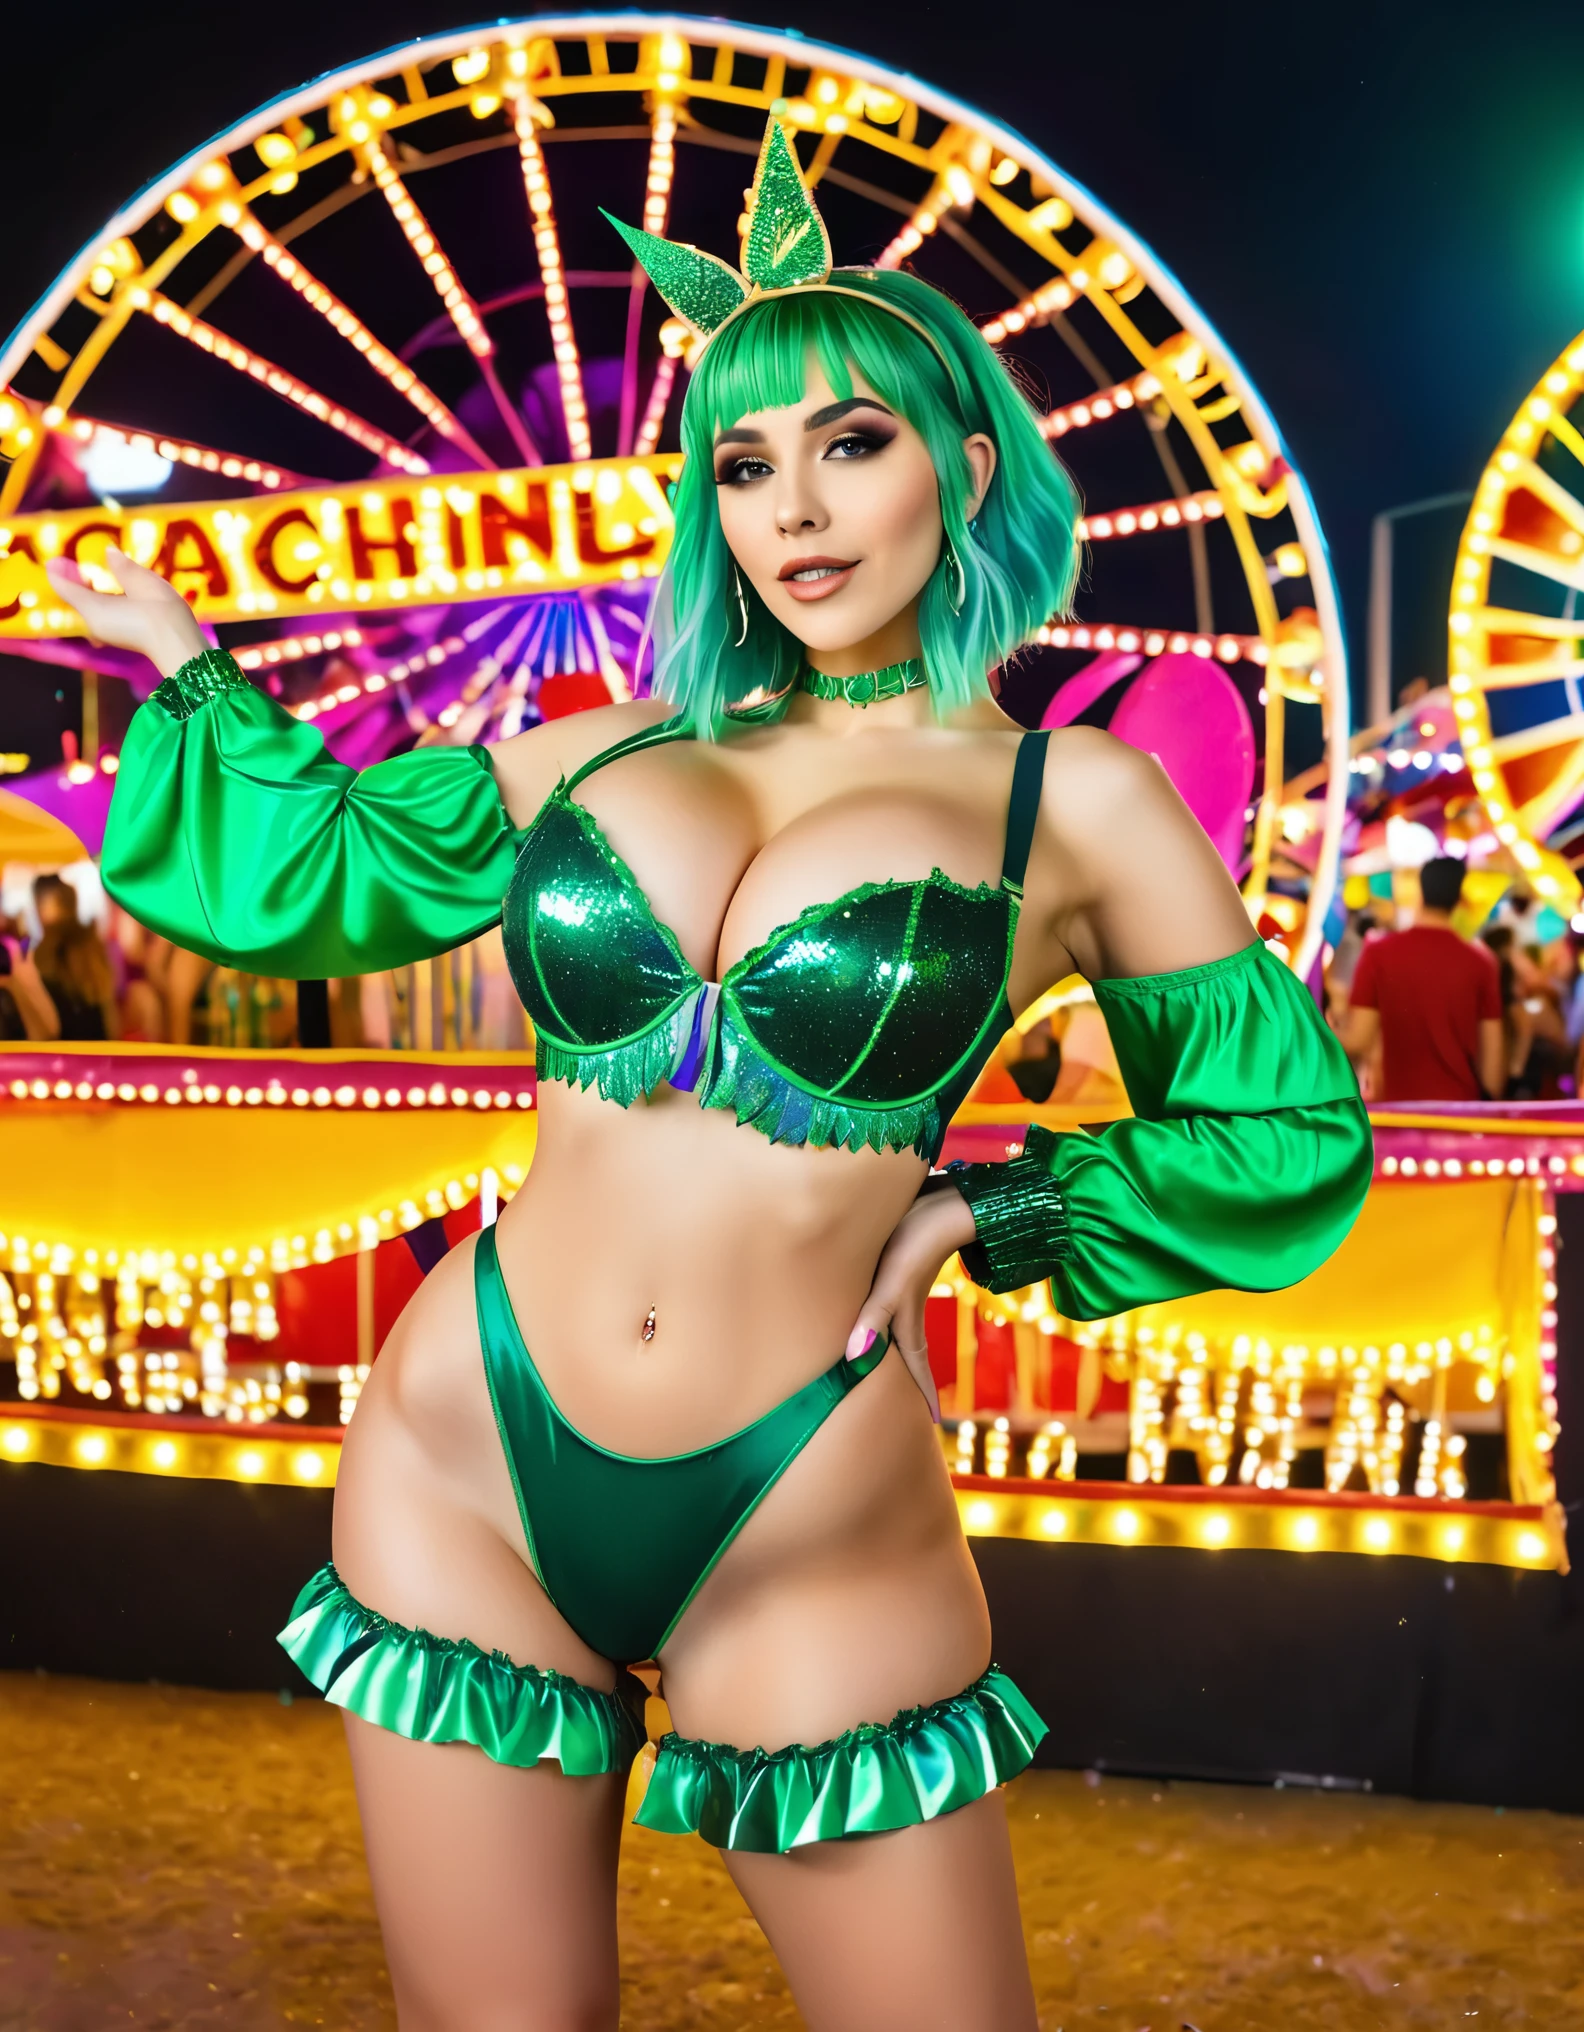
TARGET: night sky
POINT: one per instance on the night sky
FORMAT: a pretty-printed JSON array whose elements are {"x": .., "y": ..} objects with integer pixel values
[{"x": 1380, "y": 206}]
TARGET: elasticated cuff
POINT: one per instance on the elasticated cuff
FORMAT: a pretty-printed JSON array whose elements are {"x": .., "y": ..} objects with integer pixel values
[
  {"x": 924, "y": 1762},
  {"x": 200, "y": 679},
  {"x": 1020, "y": 1218},
  {"x": 446, "y": 1690}
]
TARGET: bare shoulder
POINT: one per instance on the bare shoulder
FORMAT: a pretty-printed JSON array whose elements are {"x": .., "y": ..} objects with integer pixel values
[
  {"x": 1092, "y": 778},
  {"x": 1134, "y": 885},
  {"x": 528, "y": 766}
]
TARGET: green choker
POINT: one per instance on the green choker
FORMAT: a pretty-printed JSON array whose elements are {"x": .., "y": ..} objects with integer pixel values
[{"x": 869, "y": 688}]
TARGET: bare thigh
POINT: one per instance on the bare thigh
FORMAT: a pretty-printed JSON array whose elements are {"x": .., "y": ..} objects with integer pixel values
[
  {"x": 916, "y": 1931},
  {"x": 496, "y": 1887},
  {"x": 850, "y": 1595}
]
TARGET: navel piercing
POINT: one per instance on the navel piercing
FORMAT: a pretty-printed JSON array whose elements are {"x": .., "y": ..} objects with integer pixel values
[
  {"x": 742, "y": 608},
  {"x": 954, "y": 570},
  {"x": 648, "y": 1333}
]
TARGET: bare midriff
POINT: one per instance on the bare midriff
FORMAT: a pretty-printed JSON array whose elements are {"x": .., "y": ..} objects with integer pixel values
[{"x": 756, "y": 1258}]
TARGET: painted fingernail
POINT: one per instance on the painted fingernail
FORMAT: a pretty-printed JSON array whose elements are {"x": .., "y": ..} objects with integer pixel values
[{"x": 859, "y": 1342}]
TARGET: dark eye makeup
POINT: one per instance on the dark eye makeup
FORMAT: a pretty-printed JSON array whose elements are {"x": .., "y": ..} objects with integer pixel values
[
  {"x": 739, "y": 471},
  {"x": 858, "y": 444},
  {"x": 747, "y": 467}
]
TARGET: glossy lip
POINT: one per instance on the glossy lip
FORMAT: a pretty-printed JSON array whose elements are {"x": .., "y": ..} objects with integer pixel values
[{"x": 817, "y": 589}]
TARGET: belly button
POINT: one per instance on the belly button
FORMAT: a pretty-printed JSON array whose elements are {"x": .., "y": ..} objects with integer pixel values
[{"x": 648, "y": 1332}]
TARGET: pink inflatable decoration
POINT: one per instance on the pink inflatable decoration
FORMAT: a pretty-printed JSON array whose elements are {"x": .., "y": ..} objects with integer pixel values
[{"x": 1188, "y": 714}]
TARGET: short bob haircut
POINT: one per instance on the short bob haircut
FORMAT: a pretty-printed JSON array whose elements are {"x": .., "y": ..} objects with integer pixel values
[{"x": 1019, "y": 555}]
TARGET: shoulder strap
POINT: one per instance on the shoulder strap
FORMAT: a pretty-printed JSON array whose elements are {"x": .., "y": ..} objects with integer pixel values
[
  {"x": 1028, "y": 777},
  {"x": 630, "y": 744}
]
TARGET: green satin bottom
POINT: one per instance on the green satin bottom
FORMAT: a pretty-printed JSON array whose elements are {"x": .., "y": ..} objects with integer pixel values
[
  {"x": 446, "y": 1690},
  {"x": 924, "y": 1762}
]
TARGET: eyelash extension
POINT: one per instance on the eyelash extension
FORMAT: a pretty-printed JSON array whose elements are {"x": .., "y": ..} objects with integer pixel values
[
  {"x": 730, "y": 474},
  {"x": 867, "y": 441}
]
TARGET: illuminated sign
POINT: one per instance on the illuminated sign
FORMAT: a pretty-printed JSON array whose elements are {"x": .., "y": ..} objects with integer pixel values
[{"x": 384, "y": 544}]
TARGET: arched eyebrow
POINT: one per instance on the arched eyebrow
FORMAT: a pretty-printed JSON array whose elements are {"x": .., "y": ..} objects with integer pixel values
[
  {"x": 742, "y": 433},
  {"x": 835, "y": 411}
]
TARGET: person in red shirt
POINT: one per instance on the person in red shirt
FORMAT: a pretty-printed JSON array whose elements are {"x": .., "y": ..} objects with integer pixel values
[{"x": 1433, "y": 1002}]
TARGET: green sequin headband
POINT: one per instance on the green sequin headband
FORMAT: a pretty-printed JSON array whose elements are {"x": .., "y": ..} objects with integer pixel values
[{"x": 787, "y": 251}]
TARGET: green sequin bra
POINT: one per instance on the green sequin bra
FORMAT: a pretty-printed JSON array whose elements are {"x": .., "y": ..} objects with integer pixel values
[{"x": 862, "y": 1022}]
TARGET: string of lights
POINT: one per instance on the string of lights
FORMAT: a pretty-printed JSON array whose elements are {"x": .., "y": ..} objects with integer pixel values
[
  {"x": 655, "y": 409},
  {"x": 662, "y": 164},
  {"x": 923, "y": 222},
  {"x": 375, "y": 681},
  {"x": 292, "y": 648},
  {"x": 1153, "y": 641},
  {"x": 1205, "y": 506},
  {"x": 276, "y": 379},
  {"x": 1046, "y": 301},
  {"x": 1105, "y": 403},
  {"x": 464, "y": 312},
  {"x": 563, "y": 343},
  {"x": 352, "y": 328},
  {"x": 186, "y": 1088},
  {"x": 88, "y": 430}
]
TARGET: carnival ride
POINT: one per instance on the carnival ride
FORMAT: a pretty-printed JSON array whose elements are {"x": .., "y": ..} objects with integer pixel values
[
  {"x": 1514, "y": 635},
  {"x": 364, "y": 379},
  {"x": 304, "y": 374}
]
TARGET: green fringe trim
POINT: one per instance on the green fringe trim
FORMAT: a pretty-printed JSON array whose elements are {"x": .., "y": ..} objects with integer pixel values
[
  {"x": 761, "y": 1095},
  {"x": 925, "y": 1762},
  {"x": 209, "y": 675},
  {"x": 624, "y": 1072},
  {"x": 1020, "y": 1218},
  {"x": 446, "y": 1690}
]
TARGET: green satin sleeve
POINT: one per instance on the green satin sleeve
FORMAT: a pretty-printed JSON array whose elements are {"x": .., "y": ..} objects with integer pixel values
[
  {"x": 1244, "y": 1166},
  {"x": 233, "y": 832}
]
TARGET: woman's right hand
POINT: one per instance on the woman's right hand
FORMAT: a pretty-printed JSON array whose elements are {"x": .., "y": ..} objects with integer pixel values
[{"x": 148, "y": 614}]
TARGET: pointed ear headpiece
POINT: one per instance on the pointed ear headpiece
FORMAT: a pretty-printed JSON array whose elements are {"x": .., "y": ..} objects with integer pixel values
[{"x": 787, "y": 251}]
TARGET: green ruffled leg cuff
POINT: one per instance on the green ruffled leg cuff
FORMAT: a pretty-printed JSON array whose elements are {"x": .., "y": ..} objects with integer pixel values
[
  {"x": 445, "y": 1690},
  {"x": 1020, "y": 1218},
  {"x": 925, "y": 1762}
]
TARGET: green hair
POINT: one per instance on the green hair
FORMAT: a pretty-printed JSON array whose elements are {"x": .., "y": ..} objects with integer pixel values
[{"x": 1019, "y": 563}]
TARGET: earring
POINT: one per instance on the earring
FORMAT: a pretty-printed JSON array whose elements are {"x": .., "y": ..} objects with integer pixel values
[
  {"x": 742, "y": 609},
  {"x": 954, "y": 570}
]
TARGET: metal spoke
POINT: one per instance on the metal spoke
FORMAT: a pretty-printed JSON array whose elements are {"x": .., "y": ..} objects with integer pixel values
[
  {"x": 179, "y": 451},
  {"x": 352, "y": 328},
  {"x": 1205, "y": 506},
  {"x": 463, "y": 310},
  {"x": 276, "y": 379},
  {"x": 563, "y": 343},
  {"x": 657, "y": 205}
]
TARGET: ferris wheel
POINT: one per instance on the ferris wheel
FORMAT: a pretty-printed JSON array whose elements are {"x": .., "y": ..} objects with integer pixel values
[
  {"x": 1516, "y": 635},
  {"x": 366, "y": 378}
]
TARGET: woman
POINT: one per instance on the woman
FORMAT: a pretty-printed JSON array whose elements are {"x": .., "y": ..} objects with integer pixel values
[
  {"x": 74, "y": 965},
  {"x": 26, "y": 1011},
  {"x": 768, "y": 926}
]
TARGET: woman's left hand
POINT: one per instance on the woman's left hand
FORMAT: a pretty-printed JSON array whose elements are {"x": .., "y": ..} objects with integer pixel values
[{"x": 937, "y": 1224}]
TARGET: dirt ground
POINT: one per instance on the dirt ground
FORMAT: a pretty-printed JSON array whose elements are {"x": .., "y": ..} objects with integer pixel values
[{"x": 171, "y": 1859}]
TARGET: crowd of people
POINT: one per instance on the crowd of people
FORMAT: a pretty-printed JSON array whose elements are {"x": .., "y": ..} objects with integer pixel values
[
  {"x": 1431, "y": 1008},
  {"x": 88, "y": 972},
  {"x": 64, "y": 978}
]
